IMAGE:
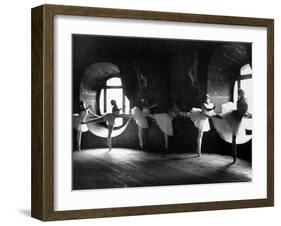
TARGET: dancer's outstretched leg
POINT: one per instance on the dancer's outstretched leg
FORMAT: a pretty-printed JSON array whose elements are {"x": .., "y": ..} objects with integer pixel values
[{"x": 100, "y": 119}]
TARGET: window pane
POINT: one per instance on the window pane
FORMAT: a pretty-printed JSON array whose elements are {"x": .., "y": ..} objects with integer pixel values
[
  {"x": 127, "y": 105},
  {"x": 101, "y": 102},
  {"x": 114, "y": 82},
  {"x": 235, "y": 92},
  {"x": 114, "y": 94},
  {"x": 247, "y": 86},
  {"x": 246, "y": 70}
]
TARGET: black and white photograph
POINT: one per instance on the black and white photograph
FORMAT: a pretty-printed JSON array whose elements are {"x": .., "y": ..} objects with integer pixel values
[{"x": 160, "y": 112}]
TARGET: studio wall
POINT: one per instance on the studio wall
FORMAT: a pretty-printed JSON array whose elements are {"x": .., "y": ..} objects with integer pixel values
[{"x": 175, "y": 74}]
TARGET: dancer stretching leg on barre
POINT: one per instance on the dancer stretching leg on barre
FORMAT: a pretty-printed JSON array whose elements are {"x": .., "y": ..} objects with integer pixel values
[
  {"x": 233, "y": 120},
  {"x": 200, "y": 118},
  {"x": 82, "y": 127},
  {"x": 109, "y": 119}
]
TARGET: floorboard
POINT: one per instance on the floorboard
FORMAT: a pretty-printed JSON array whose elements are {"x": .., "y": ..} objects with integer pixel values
[{"x": 98, "y": 168}]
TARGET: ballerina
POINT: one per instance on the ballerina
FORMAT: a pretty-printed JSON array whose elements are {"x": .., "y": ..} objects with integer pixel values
[
  {"x": 233, "y": 119},
  {"x": 165, "y": 123},
  {"x": 110, "y": 121},
  {"x": 200, "y": 118},
  {"x": 109, "y": 118},
  {"x": 139, "y": 116},
  {"x": 163, "y": 120},
  {"x": 81, "y": 127}
]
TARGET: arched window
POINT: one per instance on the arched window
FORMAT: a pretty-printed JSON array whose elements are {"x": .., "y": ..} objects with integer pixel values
[
  {"x": 114, "y": 91},
  {"x": 245, "y": 82}
]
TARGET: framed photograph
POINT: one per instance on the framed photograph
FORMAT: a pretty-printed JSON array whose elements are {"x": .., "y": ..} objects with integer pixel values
[{"x": 142, "y": 112}]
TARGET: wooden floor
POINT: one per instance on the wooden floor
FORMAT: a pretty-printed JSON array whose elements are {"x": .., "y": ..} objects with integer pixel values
[{"x": 98, "y": 168}]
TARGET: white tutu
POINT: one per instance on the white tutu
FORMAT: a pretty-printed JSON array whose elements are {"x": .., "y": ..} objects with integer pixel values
[
  {"x": 164, "y": 121},
  {"x": 139, "y": 117},
  {"x": 109, "y": 118},
  {"x": 200, "y": 119},
  {"x": 230, "y": 125},
  {"x": 83, "y": 127},
  {"x": 77, "y": 121}
]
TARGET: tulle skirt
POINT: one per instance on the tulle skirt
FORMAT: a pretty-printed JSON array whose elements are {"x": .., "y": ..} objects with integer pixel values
[
  {"x": 109, "y": 118},
  {"x": 139, "y": 117},
  {"x": 200, "y": 120},
  {"x": 230, "y": 125},
  {"x": 232, "y": 122},
  {"x": 164, "y": 121},
  {"x": 78, "y": 125}
]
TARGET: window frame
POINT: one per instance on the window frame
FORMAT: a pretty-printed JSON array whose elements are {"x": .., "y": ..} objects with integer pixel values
[
  {"x": 238, "y": 80},
  {"x": 105, "y": 87}
]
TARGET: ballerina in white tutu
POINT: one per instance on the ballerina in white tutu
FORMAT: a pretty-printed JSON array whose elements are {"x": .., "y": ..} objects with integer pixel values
[
  {"x": 232, "y": 118},
  {"x": 140, "y": 116},
  {"x": 163, "y": 120},
  {"x": 81, "y": 126},
  {"x": 200, "y": 118},
  {"x": 165, "y": 123},
  {"x": 109, "y": 118}
]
